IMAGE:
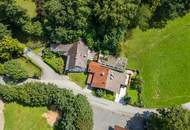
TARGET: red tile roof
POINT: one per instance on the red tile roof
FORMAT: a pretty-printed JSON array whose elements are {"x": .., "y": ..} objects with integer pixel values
[
  {"x": 119, "y": 128},
  {"x": 98, "y": 76}
]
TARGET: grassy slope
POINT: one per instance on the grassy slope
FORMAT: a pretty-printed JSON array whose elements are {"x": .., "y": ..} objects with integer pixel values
[
  {"x": 163, "y": 58},
  {"x": 28, "y": 66},
  {"x": 29, "y": 5},
  {"x": 18, "y": 117}
]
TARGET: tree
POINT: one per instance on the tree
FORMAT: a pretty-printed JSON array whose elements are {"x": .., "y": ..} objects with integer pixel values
[
  {"x": 144, "y": 17},
  {"x": 14, "y": 70},
  {"x": 169, "y": 9},
  {"x": 67, "y": 20},
  {"x": 33, "y": 28},
  {"x": 10, "y": 48},
  {"x": 110, "y": 20},
  {"x": 13, "y": 15},
  {"x": 4, "y": 31},
  {"x": 174, "y": 118}
]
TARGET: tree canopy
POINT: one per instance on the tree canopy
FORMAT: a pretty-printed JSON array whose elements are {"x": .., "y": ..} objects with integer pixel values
[
  {"x": 67, "y": 20},
  {"x": 174, "y": 118},
  {"x": 10, "y": 48},
  {"x": 103, "y": 24},
  {"x": 12, "y": 15},
  {"x": 4, "y": 31}
]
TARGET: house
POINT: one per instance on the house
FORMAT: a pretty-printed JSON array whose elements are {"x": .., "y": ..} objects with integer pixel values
[
  {"x": 76, "y": 55},
  {"x": 113, "y": 62},
  {"x": 105, "y": 78}
]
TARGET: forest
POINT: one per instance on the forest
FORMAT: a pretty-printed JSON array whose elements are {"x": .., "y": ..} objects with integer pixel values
[{"x": 102, "y": 24}]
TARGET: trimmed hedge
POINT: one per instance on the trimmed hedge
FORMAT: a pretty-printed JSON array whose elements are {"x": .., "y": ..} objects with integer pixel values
[{"x": 76, "y": 113}]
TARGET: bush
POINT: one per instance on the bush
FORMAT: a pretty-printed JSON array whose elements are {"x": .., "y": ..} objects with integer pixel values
[
  {"x": 136, "y": 81},
  {"x": 104, "y": 94},
  {"x": 14, "y": 70},
  {"x": 139, "y": 102},
  {"x": 76, "y": 113},
  {"x": 127, "y": 99},
  {"x": 99, "y": 92},
  {"x": 54, "y": 60}
]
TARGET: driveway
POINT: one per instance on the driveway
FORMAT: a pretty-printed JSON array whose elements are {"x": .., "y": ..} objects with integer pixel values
[{"x": 1, "y": 115}]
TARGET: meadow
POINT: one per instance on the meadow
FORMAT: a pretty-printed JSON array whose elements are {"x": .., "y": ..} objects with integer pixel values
[{"x": 163, "y": 58}]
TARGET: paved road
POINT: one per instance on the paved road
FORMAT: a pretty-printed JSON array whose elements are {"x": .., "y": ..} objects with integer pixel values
[
  {"x": 106, "y": 113},
  {"x": 1, "y": 115}
]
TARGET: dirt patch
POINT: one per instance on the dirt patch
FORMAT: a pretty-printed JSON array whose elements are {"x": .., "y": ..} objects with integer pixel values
[{"x": 51, "y": 117}]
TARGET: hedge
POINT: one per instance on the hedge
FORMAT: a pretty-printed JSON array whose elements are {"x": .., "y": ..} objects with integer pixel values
[
  {"x": 54, "y": 60},
  {"x": 76, "y": 113}
]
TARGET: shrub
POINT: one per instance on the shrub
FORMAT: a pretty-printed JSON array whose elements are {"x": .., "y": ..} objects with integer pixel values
[
  {"x": 104, "y": 94},
  {"x": 136, "y": 81},
  {"x": 127, "y": 99},
  {"x": 99, "y": 92},
  {"x": 14, "y": 70},
  {"x": 139, "y": 102},
  {"x": 76, "y": 113}
]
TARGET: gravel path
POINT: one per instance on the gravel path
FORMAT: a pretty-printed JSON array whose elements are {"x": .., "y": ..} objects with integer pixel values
[{"x": 1, "y": 115}]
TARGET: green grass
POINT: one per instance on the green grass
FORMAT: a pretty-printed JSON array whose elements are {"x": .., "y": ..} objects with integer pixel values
[
  {"x": 38, "y": 50},
  {"x": 78, "y": 78},
  {"x": 31, "y": 69},
  {"x": 163, "y": 58},
  {"x": 18, "y": 117},
  {"x": 133, "y": 94},
  {"x": 29, "y": 5}
]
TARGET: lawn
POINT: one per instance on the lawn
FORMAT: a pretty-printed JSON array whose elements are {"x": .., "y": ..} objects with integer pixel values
[
  {"x": 31, "y": 68},
  {"x": 18, "y": 117},
  {"x": 133, "y": 94},
  {"x": 29, "y": 5},
  {"x": 78, "y": 78},
  {"x": 163, "y": 58}
]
